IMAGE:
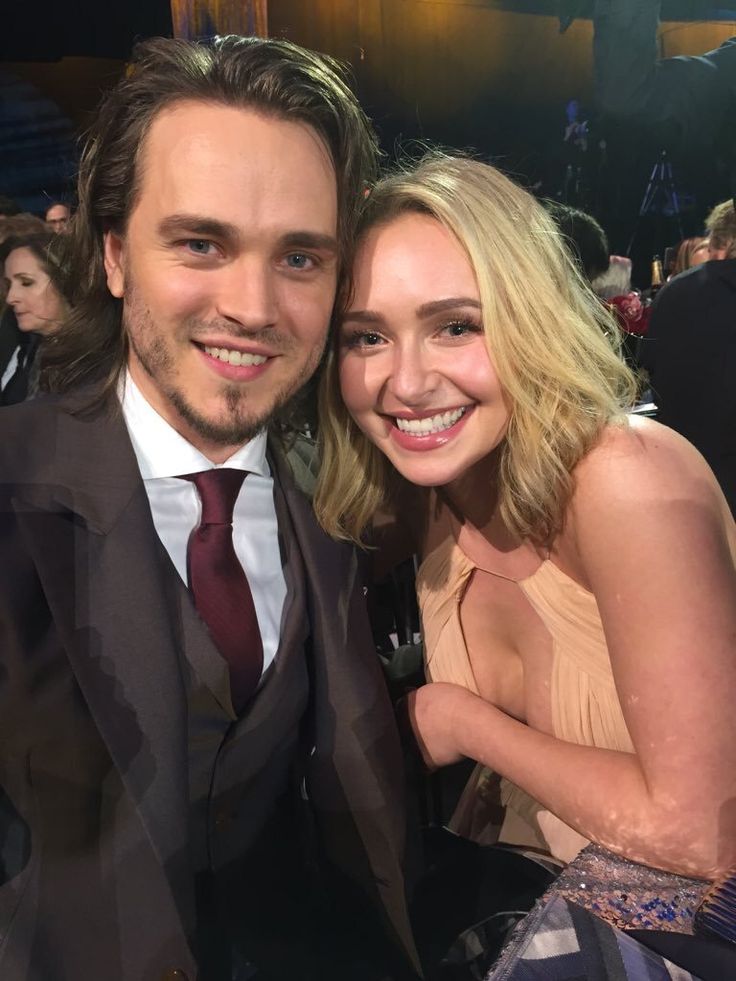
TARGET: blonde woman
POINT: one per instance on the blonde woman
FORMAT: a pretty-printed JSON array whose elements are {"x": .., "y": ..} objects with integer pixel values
[{"x": 577, "y": 581}]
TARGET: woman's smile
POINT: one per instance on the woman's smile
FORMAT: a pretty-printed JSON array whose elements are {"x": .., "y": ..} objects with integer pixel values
[{"x": 415, "y": 370}]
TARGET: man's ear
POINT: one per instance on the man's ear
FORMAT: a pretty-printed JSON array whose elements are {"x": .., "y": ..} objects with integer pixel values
[{"x": 114, "y": 264}]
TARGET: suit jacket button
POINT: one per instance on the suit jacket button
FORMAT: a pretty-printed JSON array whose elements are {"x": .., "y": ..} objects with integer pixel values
[{"x": 174, "y": 974}]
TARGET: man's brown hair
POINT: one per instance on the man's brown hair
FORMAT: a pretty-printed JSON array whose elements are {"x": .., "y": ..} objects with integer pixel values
[{"x": 275, "y": 77}]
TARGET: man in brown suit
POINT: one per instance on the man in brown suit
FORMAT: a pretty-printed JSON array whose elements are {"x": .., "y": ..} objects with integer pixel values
[{"x": 199, "y": 771}]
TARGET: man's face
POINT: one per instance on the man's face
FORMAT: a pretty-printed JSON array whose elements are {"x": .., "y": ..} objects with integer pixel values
[
  {"x": 57, "y": 217},
  {"x": 227, "y": 268}
]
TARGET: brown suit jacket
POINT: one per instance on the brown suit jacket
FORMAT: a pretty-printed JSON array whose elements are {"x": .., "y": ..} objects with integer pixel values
[{"x": 93, "y": 769}]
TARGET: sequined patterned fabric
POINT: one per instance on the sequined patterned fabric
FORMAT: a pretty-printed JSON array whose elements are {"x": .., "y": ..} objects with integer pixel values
[
  {"x": 562, "y": 942},
  {"x": 628, "y": 895}
]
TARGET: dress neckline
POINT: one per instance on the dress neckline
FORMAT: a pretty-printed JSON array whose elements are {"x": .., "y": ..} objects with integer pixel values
[
  {"x": 459, "y": 531},
  {"x": 546, "y": 564}
]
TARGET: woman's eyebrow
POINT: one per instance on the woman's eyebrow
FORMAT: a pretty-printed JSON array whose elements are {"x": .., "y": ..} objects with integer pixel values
[
  {"x": 439, "y": 306},
  {"x": 428, "y": 309},
  {"x": 362, "y": 317}
]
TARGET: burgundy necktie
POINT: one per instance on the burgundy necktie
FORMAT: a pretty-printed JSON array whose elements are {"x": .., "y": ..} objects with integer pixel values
[{"x": 219, "y": 584}]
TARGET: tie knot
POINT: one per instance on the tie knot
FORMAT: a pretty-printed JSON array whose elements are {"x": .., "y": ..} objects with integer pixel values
[{"x": 218, "y": 490}]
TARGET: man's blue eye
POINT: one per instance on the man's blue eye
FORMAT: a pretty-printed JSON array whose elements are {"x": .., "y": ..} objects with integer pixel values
[
  {"x": 297, "y": 260},
  {"x": 200, "y": 245}
]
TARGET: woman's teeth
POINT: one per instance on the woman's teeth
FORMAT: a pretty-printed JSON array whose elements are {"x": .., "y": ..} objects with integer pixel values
[
  {"x": 432, "y": 424},
  {"x": 235, "y": 357}
]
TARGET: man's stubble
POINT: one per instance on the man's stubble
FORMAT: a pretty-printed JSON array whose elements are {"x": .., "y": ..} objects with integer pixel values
[{"x": 238, "y": 423}]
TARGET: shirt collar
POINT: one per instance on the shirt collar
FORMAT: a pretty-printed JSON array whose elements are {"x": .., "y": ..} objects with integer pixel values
[{"x": 162, "y": 452}]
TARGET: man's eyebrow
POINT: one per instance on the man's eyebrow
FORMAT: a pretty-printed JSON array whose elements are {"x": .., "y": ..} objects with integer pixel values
[
  {"x": 198, "y": 225},
  {"x": 310, "y": 240}
]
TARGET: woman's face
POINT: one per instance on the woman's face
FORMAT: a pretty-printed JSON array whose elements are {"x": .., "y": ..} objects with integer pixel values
[
  {"x": 414, "y": 368},
  {"x": 37, "y": 305}
]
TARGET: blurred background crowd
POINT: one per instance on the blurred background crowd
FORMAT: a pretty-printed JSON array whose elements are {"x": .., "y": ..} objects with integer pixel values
[{"x": 593, "y": 111}]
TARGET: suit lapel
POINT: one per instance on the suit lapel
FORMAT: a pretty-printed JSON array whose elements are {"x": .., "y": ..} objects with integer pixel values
[{"x": 94, "y": 544}]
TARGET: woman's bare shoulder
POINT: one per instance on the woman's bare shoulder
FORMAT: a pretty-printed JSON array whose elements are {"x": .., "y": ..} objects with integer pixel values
[{"x": 644, "y": 460}]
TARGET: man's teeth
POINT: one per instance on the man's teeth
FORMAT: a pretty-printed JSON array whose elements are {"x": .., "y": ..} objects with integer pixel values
[
  {"x": 235, "y": 357},
  {"x": 432, "y": 424}
]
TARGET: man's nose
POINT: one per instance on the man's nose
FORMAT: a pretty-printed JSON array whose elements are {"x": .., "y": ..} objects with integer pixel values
[{"x": 247, "y": 294}]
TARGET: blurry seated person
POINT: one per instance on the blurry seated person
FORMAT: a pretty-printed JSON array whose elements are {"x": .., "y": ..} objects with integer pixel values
[
  {"x": 614, "y": 288},
  {"x": 609, "y": 276},
  {"x": 34, "y": 294},
  {"x": 691, "y": 352},
  {"x": 690, "y": 252},
  {"x": 58, "y": 216},
  {"x": 584, "y": 237}
]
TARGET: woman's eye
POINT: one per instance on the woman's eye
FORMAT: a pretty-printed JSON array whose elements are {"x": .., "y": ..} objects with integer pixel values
[
  {"x": 459, "y": 328},
  {"x": 367, "y": 338}
]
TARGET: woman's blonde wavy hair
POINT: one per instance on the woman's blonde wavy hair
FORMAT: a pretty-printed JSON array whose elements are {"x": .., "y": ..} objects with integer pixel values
[{"x": 554, "y": 345}]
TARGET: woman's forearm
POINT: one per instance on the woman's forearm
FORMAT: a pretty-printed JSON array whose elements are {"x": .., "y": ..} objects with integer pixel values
[{"x": 601, "y": 793}]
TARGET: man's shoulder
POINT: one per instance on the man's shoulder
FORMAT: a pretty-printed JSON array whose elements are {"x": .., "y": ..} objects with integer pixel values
[
  {"x": 691, "y": 284},
  {"x": 29, "y": 431},
  {"x": 25, "y": 419},
  {"x": 723, "y": 271},
  {"x": 685, "y": 281}
]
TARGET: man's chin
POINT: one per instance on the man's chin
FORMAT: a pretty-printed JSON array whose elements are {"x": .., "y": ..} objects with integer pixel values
[
  {"x": 219, "y": 432},
  {"x": 221, "y": 426}
]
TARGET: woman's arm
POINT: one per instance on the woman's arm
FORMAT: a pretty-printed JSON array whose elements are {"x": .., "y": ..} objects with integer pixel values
[{"x": 649, "y": 532}]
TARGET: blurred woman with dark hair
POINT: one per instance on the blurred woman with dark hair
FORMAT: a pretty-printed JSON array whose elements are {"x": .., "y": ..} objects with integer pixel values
[{"x": 34, "y": 293}]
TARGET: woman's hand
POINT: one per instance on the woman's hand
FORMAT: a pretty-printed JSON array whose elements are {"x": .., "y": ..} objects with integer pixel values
[{"x": 439, "y": 714}]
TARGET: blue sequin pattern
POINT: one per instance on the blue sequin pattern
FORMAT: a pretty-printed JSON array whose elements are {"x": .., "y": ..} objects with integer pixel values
[{"x": 628, "y": 895}]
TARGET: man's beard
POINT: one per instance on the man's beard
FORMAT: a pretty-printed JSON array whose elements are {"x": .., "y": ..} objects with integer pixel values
[{"x": 239, "y": 424}]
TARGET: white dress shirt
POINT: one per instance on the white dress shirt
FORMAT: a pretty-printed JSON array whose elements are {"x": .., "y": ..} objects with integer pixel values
[
  {"x": 162, "y": 456},
  {"x": 10, "y": 368}
]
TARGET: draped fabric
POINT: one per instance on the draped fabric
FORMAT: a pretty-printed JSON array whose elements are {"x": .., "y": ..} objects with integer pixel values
[
  {"x": 584, "y": 703},
  {"x": 203, "y": 18}
]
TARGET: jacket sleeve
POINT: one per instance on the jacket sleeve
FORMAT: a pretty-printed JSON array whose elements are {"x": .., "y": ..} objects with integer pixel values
[{"x": 681, "y": 98}]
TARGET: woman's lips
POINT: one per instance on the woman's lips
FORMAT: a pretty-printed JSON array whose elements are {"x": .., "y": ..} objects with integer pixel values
[{"x": 422, "y": 442}]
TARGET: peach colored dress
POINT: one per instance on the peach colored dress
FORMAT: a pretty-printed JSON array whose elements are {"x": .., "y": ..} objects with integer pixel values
[{"x": 584, "y": 702}]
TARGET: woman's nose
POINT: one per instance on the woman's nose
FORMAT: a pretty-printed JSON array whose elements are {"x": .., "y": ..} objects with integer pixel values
[{"x": 414, "y": 377}]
